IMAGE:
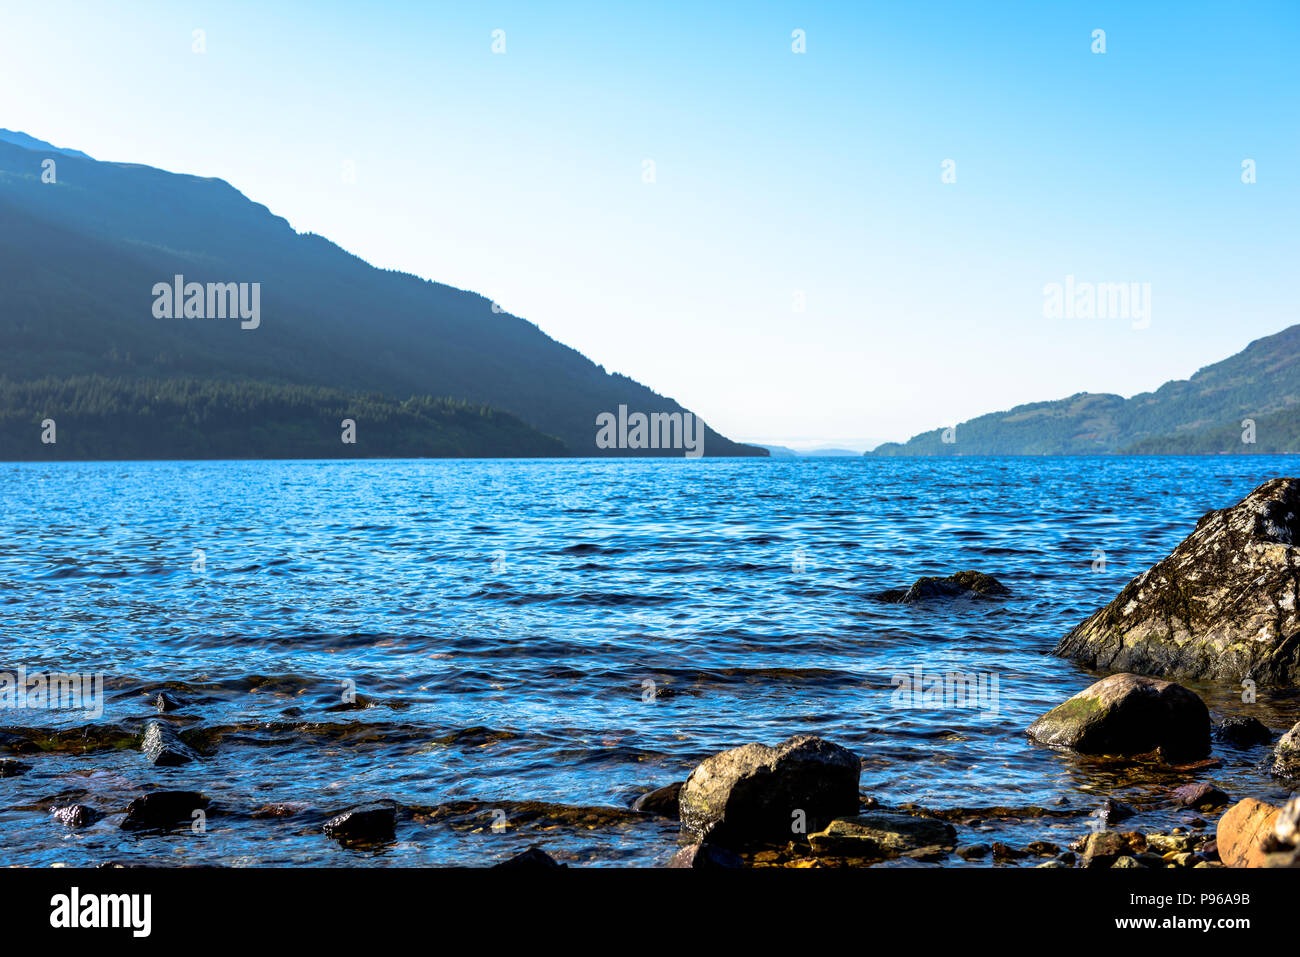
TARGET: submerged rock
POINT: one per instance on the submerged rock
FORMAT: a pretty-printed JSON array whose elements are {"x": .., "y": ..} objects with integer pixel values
[
  {"x": 163, "y": 747},
  {"x": 367, "y": 824},
  {"x": 165, "y": 701},
  {"x": 880, "y": 835},
  {"x": 661, "y": 801},
  {"x": 1129, "y": 715},
  {"x": 75, "y": 815},
  {"x": 1243, "y": 732},
  {"x": 967, "y": 583},
  {"x": 163, "y": 809},
  {"x": 533, "y": 859},
  {"x": 1286, "y": 756},
  {"x": 759, "y": 794},
  {"x": 707, "y": 857},
  {"x": 1201, "y": 795},
  {"x": 1222, "y": 605},
  {"x": 1112, "y": 811},
  {"x": 9, "y": 768}
]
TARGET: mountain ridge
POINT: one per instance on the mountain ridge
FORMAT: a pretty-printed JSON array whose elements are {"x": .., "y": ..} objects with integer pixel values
[
  {"x": 79, "y": 257},
  {"x": 1248, "y": 403}
]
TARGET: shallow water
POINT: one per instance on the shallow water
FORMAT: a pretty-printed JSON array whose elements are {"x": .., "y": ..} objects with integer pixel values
[{"x": 570, "y": 632}]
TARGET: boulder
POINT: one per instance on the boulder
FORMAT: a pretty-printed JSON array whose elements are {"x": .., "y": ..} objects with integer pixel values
[
  {"x": 962, "y": 584},
  {"x": 1241, "y": 731},
  {"x": 1242, "y": 831},
  {"x": 533, "y": 859},
  {"x": 707, "y": 857},
  {"x": 1128, "y": 715},
  {"x": 759, "y": 794},
  {"x": 661, "y": 801},
  {"x": 1286, "y": 756},
  {"x": 163, "y": 747},
  {"x": 367, "y": 824},
  {"x": 163, "y": 809},
  {"x": 1222, "y": 605},
  {"x": 881, "y": 835}
]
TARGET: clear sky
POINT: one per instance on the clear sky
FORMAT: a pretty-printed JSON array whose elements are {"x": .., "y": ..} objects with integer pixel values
[{"x": 777, "y": 176}]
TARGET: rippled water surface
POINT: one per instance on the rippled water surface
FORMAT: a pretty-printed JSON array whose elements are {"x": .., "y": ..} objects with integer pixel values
[{"x": 568, "y": 633}]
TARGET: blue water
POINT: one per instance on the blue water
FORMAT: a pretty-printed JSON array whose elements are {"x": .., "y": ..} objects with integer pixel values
[{"x": 570, "y": 632}]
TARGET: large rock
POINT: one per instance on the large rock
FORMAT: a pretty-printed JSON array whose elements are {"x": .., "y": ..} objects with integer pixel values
[
  {"x": 1286, "y": 756},
  {"x": 1242, "y": 831},
  {"x": 757, "y": 794},
  {"x": 1222, "y": 605},
  {"x": 1129, "y": 715}
]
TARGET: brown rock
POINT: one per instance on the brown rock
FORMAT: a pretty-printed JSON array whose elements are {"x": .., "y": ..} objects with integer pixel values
[{"x": 1242, "y": 831}]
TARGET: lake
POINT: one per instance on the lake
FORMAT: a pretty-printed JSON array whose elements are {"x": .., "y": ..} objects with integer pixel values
[{"x": 513, "y": 650}]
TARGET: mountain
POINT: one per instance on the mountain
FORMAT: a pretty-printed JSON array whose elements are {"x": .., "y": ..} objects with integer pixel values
[
  {"x": 1205, "y": 414},
  {"x": 82, "y": 258}
]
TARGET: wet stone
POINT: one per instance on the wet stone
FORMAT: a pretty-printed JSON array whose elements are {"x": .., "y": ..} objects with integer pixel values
[
  {"x": 75, "y": 815},
  {"x": 533, "y": 859},
  {"x": 165, "y": 701},
  {"x": 1201, "y": 795},
  {"x": 163, "y": 747},
  {"x": 367, "y": 824},
  {"x": 661, "y": 801},
  {"x": 706, "y": 857},
  {"x": 1241, "y": 731},
  {"x": 9, "y": 768},
  {"x": 163, "y": 809}
]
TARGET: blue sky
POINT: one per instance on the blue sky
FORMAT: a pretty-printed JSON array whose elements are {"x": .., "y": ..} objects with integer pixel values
[{"x": 777, "y": 176}]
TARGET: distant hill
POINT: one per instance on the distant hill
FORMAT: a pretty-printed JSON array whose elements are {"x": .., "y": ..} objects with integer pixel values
[
  {"x": 1200, "y": 415},
  {"x": 80, "y": 257}
]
